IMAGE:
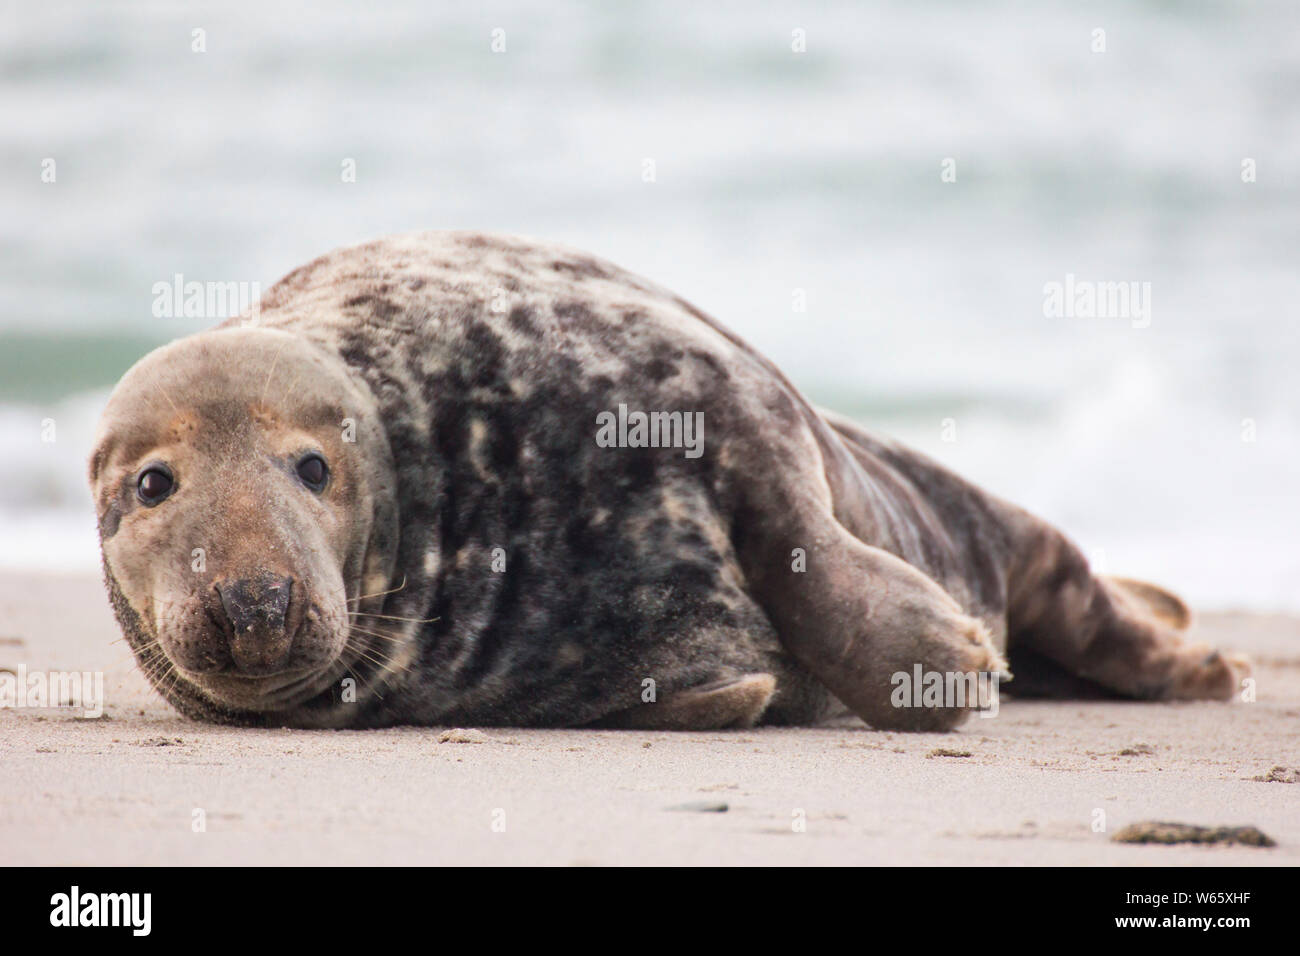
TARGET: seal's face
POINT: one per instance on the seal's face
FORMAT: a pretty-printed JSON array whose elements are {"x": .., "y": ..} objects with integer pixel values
[{"x": 236, "y": 513}]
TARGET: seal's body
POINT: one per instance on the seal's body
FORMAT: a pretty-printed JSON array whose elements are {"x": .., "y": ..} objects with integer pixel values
[{"x": 460, "y": 478}]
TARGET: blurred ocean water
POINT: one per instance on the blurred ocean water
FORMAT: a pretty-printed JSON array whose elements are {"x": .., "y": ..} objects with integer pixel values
[{"x": 798, "y": 196}]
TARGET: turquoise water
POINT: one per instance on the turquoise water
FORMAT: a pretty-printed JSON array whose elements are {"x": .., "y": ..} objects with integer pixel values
[{"x": 778, "y": 176}]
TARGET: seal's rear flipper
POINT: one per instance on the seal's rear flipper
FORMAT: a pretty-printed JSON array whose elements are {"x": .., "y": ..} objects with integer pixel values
[
  {"x": 732, "y": 702},
  {"x": 1165, "y": 606},
  {"x": 1124, "y": 635}
]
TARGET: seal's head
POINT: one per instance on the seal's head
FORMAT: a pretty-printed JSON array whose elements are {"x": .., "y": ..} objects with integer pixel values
[{"x": 244, "y": 489}]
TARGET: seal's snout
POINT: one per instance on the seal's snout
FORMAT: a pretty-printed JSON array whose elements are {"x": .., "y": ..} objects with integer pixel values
[{"x": 257, "y": 616}]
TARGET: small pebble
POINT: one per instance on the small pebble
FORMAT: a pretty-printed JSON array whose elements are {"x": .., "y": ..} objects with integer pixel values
[{"x": 701, "y": 806}]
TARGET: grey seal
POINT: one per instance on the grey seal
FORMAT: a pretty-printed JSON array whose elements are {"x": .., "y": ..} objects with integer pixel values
[{"x": 459, "y": 478}]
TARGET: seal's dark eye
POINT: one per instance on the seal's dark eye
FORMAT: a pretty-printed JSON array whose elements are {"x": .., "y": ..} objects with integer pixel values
[
  {"x": 313, "y": 471},
  {"x": 155, "y": 484}
]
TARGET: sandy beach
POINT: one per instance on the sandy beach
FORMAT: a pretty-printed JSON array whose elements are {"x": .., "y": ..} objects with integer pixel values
[{"x": 1024, "y": 787}]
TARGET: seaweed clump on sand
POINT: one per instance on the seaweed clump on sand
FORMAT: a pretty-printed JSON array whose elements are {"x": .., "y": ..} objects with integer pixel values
[{"x": 1156, "y": 831}]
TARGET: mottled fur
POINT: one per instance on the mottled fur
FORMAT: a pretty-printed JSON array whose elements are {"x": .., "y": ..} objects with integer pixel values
[{"x": 474, "y": 367}]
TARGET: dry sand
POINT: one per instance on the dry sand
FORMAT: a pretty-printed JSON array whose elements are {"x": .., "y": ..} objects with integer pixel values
[{"x": 124, "y": 789}]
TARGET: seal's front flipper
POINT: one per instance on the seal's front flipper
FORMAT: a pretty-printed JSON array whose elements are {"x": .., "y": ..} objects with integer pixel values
[
  {"x": 865, "y": 623},
  {"x": 861, "y": 620},
  {"x": 732, "y": 702}
]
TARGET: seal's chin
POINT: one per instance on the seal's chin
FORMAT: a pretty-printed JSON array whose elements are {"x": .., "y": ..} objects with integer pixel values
[{"x": 277, "y": 692}]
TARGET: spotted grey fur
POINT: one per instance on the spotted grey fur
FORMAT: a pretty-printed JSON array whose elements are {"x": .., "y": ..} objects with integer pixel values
[{"x": 476, "y": 367}]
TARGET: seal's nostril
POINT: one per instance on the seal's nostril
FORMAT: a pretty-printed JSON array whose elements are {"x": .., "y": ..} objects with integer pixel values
[
  {"x": 260, "y": 603},
  {"x": 256, "y": 610}
]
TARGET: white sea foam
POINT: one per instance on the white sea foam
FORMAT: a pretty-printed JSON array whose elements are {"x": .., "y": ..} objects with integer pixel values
[{"x": 775, "y": 172}]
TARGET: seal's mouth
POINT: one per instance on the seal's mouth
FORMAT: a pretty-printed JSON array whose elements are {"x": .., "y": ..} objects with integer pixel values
[{"x": 259, "y": 643}]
